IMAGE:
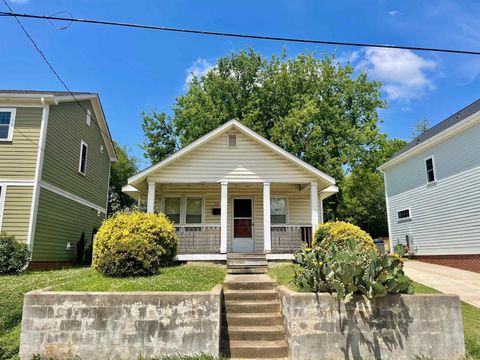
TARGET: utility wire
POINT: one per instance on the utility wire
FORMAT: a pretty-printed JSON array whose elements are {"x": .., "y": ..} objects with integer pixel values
[
  {"x": 57, "y": 75},
  {"x": 237, "y": 35},
  {"x": 92, "y": 115}
]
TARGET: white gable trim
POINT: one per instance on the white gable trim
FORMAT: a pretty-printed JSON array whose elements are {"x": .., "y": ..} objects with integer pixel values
[
  {"x": 434, "y": 140},
  {"x": 232, "y": 123}
]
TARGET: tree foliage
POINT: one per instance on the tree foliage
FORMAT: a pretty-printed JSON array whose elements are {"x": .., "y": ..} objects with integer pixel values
[
  {"x": 121, "y": 170},
  {"x": 363, "y": 194},
  {"x": 315, "y": 108},
  {"x": 420, "y": 127}
]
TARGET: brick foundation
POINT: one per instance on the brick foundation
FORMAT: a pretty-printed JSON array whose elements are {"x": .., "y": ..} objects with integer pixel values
[
  {"x": 49, "y": 265},
  {"x": 464, "y": 262}
]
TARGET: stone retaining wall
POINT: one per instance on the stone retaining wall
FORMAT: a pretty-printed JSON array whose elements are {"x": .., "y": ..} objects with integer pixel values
[
  {"x": 120, "y": 325},
  {"x": 392, "y": 327}
]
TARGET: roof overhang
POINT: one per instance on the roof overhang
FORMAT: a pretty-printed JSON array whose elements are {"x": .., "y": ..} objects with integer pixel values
[
  {"x": 329, "y": 191},
  {"x": 131, "y": 191},
  {"x": 42, "y": 99},
  {"x": 440, "y": 137},
  {"x": 142, "y": 175}
]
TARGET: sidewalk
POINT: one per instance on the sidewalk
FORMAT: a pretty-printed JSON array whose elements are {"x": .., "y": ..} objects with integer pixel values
[{"x": 448, "y": 280}]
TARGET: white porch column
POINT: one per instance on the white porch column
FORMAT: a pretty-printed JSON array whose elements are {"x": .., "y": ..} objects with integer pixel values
[
  {"x": 267, "y": 235},
  {"x": 151, "y": 197},
  {"x": 321, "y": 209},
  {"x": 314, "y": 205},
  {"x": 223, "y": 218}
]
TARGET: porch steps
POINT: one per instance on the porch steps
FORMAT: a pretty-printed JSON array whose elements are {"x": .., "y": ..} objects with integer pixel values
[
  {"x": 238, "y": 263},
  {"x": 252, "y": 323}
]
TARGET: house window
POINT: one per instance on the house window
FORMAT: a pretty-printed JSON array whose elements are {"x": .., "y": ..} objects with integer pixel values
[
  {"x": 172, "y": 209},
  {"x": 194, "y": 211},
  {"x": 89, "y": 117},
  {"x": 232, "y": 140},
  {"x": 430, "y": 170},
  {"x": 7, "y": 124},
  {"x": 403, "y": 214},
  {"x": 82, "y": 166},
  {"x": 278, "y": 210}
]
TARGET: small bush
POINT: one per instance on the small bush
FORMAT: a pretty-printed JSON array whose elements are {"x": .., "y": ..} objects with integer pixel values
[
  {"x": 348, "y": 269},
  {"x": 134, "y": 244},
  {"x": 338, "y": 232},
  {"x": 14, "y": 256}
]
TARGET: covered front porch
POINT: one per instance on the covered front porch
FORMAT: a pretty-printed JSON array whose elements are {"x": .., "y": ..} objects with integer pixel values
[{"x": 213, "y": 219}]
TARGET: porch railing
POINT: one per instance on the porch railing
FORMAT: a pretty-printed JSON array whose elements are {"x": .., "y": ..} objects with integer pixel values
[
  {"x": 289, "y": 238},
  {"x": 198, "y": 238}
]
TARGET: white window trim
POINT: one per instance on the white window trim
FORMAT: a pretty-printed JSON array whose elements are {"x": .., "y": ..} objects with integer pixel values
[
  {"x": 89, "y": 117},
  {"x": 286, "y": 208},
  {"x": 13, "y": 115},
  {"x": 434, "y": 169},
  {"x": 183, "y": 206},
  {"x": 407, "y": 218},
  {"x": 3, "y": 193},
  {"x": 82, "y": 143}
]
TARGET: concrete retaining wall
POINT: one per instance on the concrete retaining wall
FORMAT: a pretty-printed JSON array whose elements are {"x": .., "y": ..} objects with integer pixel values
[
  {"x": 120, "y": 325},
  {"x": 393, "y": 327}
]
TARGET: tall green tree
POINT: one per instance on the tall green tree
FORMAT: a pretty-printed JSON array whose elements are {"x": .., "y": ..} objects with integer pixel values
[
  {"x": 363, "y": 193},
  {"x": 317, "y": 109},
  {"x": 125, "y": 166}
]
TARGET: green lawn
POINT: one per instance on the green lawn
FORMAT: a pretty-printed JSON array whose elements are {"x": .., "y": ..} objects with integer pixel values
[
  {"x": 13, "y": 287},
  {"x": 471, "y": 315},
  {"x": 177, "y": 278}
]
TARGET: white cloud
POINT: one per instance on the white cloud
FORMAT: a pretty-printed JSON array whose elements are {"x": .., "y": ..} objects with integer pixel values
[
  {"x": 21, "y": 2},
  {"x": 198, "y": 68},
  {"x": 394, "y": 12},
  {"x": 404, "y": 74}
]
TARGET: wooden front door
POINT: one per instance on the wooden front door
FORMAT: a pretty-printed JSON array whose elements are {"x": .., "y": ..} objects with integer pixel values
[{"x": 243, "y": 239}]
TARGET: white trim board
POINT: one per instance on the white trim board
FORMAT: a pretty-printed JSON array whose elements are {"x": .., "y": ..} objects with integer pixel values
[
  {"x": 2, "y": 202},
  {"x": 19, "y": 182},
  {"x": 201, "y": 257},
  {"x": 225, "y": 127},
  {"x": 71, "y": 196},
  {"x": 38, "y": 176}
]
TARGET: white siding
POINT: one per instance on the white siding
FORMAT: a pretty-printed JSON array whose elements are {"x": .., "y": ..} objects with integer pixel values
[
  {"x": 446, "y": 214},
  {"x": 250, "y": 161}
]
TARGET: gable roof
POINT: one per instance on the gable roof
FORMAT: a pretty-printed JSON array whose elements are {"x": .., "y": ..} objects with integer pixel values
[
  {"x": 142, "y": 175},
  {"x": 54, "y": 97},
  {"x": 441, "y": 128}
]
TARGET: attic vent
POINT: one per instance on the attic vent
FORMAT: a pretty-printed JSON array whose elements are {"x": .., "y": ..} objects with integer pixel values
[{"x": 232, "y": 140}]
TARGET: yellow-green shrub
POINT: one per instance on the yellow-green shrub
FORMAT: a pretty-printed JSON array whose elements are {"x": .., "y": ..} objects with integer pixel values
[
  {"x": 339, "y": 232},
  {"x": 134, "y": 244}
]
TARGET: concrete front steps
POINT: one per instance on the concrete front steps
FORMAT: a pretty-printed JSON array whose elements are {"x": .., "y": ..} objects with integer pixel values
[
  {"x": 248, "y": 263},
  {"x": 253, "y": 323}
]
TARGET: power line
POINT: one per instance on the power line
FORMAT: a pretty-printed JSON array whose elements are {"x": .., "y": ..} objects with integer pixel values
[
  {"x": 57, "y": 75},
  {"x": 92, "y": 115},
  {"x": 237, "y": 35}
]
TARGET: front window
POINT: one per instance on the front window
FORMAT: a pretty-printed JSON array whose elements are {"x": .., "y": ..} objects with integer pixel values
[
  {"x": 172, "y": 209},
  {"x": 194, "y": 211},
  {"x": 7, "y": 123},
  {"x": 430, "y": 170},
  {"x": 278, "y": 210}
]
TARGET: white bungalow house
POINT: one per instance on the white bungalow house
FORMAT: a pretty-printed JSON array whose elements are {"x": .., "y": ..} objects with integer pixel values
[{"x": 234, "y": 191}]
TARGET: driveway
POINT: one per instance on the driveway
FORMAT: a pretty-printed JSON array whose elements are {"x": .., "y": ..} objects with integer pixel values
[{"x": 448, "y": 280}]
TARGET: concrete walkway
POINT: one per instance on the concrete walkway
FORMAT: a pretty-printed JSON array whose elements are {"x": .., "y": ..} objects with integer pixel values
[{"x": 448, "y": 280}]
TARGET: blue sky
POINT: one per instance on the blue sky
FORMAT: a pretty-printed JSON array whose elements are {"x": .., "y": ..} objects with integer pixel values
[{"x": 141, "y": 70}]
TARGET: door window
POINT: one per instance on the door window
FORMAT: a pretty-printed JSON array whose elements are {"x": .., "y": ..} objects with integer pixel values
[{"x": 242, "y": 218}]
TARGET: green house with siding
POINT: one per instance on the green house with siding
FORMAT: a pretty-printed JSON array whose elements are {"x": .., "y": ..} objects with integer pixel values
[{"x": 55, "y": 157}]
